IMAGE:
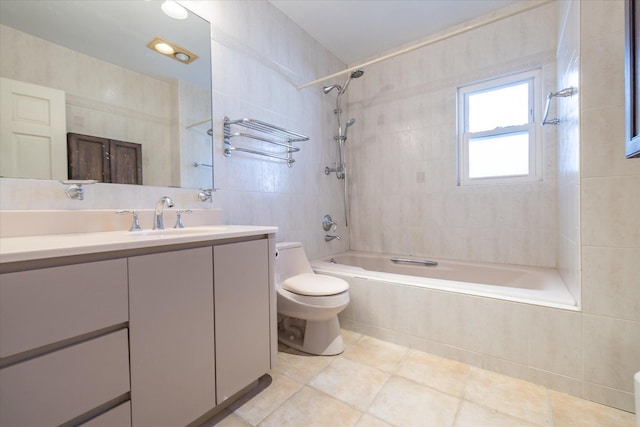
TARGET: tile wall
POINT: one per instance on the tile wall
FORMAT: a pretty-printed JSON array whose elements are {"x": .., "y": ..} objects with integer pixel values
[
  {"x": 610, "y": 203},
  {"x": 259, "y": 57},
  {"x": 403, "y": 151},
  {"x": 593, "y": 353},
  {"x": 568, "y": 110}
]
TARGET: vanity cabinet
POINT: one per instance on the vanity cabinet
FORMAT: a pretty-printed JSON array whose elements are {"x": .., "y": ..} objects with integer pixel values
[
  {"x": 241, "y": 278},
  {"x": 171, "y": 337},
  {"x": 63, "y": 342},
  {"x": 144, "y": 336}
]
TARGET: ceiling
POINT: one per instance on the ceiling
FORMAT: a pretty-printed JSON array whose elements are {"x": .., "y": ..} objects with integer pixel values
[{"x": 354, "y": 30}]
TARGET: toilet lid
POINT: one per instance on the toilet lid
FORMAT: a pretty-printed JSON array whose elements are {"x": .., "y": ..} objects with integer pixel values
[{"x": 315, "y": 285}]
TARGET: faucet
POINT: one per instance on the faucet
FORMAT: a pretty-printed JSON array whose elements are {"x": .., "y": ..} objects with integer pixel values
[
  {"x": 328, "y": 238},
  {"x": 158, "y": 223}
]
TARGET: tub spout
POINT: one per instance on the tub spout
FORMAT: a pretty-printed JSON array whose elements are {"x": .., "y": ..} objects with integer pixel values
[{"x": 329, "y": 238}]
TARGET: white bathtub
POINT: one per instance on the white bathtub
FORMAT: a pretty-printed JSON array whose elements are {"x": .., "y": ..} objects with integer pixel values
[{"x": 532, "y": 285}]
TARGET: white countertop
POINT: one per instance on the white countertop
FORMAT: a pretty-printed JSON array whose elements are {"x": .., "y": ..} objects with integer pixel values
[{"x": 13, "y": 249}]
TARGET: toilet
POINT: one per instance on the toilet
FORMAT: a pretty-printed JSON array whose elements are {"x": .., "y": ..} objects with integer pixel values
[{"x": 308, "y": 303}]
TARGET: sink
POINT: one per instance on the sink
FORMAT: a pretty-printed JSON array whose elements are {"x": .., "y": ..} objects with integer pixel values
[{"x": 168, "y": 232}]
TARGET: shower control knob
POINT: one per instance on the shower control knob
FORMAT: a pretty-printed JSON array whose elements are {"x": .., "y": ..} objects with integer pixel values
[{"x": 328, "y": 223}]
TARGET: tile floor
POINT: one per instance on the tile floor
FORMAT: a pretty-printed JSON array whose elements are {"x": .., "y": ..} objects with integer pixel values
[{"x": 375, "y": 383}]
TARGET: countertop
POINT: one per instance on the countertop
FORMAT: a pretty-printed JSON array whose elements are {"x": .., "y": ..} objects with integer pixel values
[{"x": 15, "y": 249}]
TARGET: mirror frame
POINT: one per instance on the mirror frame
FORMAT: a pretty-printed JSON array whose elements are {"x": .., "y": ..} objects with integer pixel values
[{"x": 632, "y": 79}]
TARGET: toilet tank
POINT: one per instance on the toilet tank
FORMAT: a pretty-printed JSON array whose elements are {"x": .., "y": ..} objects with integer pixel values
[{"x": 291, "y": 260}]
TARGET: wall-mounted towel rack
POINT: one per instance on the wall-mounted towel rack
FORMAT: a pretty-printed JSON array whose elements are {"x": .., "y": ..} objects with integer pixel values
[
  {"x": 272, "y": 134},
  {"x": 204, "y": 165},
  {"x": 569, "y": 91}
]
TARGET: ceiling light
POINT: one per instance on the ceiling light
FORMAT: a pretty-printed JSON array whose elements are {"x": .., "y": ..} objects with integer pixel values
[
  {"x": 172, "y": 50},
  {"x": 174, "y": 10},
  {"x": 181, "y": 56},
  {"x": 164, "y": 48}
]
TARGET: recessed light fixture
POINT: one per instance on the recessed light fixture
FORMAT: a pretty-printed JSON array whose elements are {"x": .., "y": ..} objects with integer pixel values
[
  {"x": 172, "y": 50},
  {"x": 181, "y": 56},
  {"x": 164, "y": 48},
  {"x": 174, "y": 10}
]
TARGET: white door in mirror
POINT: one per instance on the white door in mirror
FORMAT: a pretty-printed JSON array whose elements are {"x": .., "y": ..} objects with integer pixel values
[{"x": 33, "y": 142}]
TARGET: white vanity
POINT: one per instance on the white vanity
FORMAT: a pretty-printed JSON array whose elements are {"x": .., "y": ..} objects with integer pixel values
[{"x": 143, "y": 329}]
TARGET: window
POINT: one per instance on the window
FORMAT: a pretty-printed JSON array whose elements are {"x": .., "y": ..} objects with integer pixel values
[{"x": 497, "y": 135}]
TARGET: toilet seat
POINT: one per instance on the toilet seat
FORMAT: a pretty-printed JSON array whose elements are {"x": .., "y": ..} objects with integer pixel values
[{"x": 311, "y": 284}]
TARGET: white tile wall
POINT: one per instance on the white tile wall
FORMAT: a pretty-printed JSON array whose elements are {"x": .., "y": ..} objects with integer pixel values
[
  {"x": 403, "y": 152},
  {"x": 591, "y": 354},
  {"x": 610, "y": 202}
]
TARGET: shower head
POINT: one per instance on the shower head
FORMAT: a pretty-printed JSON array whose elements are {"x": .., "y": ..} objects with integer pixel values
[
  {"x": 328, "y": 89},
  {"x": 354, "y": 75},
  {"x": 357, "y": 73},
  {"x": 349, "y": 123}
]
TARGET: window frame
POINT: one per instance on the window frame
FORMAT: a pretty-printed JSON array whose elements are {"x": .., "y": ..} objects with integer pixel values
[{"x": 533, "y": 77}]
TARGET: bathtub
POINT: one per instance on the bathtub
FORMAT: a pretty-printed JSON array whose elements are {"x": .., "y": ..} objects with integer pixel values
[{"x": 532, "y": 285}]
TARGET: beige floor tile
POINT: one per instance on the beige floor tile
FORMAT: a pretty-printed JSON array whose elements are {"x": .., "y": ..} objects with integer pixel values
[
  {"x": 226, "y": 419},
  {"x": 368, "y": 420},
  {"x": 569, "y": 411},
  {"x": 405, "y": 403},
  {"x": 270, "y": 393},
  {"x": 310, "y": 407},
  {"x": 442, "y": 374},
  {"x": 299, "y": 366},
  {"x": 508, "y": 395},
  {"x": 351, "y": 382},
  {"x": 350, "y": 337},
  {"x": 472, "y": 415},
  {"x": 379, "y": 354}
]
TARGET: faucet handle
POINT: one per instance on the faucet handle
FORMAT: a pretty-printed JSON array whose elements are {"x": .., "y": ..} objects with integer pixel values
[
  {"x": 328, "y": 223},
  {"x": 179, "y": 213},
  {"x": 135, "y": 226}
]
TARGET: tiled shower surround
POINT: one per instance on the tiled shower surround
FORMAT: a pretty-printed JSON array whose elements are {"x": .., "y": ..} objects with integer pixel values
[
  {"x": 406, "y": 198},
  {"x": 409, "y": 203}
]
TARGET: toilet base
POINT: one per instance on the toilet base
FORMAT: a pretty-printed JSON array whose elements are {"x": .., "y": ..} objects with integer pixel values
[{"x": 322, "y": 338}]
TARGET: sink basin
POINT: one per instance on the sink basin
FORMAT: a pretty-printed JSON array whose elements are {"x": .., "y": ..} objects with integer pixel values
[{"x": 178, "y": 231}]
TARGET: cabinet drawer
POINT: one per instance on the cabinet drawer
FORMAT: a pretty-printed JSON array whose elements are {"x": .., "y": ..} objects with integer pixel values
[
  {"x": 54, "y": 388},
  {"x": 120, "y": 416},
  {"x": 40, "y": 307}
]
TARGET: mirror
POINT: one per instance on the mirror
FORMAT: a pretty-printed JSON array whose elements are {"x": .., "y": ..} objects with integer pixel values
[{"x": 113, "y": 87}]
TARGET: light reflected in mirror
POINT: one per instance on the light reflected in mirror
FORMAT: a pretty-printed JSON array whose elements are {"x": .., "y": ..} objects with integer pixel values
[{"x": 84, "y": 68}]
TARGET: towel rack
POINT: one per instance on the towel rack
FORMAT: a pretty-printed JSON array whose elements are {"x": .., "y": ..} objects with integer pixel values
[
  {"x": 569, "y": 91},
  {"x": 272, "y": 134},
  {"x": 205, "y": 165}
]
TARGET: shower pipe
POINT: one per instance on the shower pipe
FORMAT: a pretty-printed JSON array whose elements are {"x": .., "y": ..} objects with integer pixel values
[
  {"x": 520, "y": 9},
  {"x": 341, "y": 138}
]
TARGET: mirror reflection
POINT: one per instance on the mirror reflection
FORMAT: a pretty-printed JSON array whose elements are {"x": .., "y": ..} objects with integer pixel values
[{"x": 86, "y": 96}]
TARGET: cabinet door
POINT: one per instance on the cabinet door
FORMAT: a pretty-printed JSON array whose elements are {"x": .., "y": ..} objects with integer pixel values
[
  {"x": 125, "y": 162},
  {"x": 241, "y": 281},
  {"x": 171, "y": 337},
  {"x": 88, "y": 157}
]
